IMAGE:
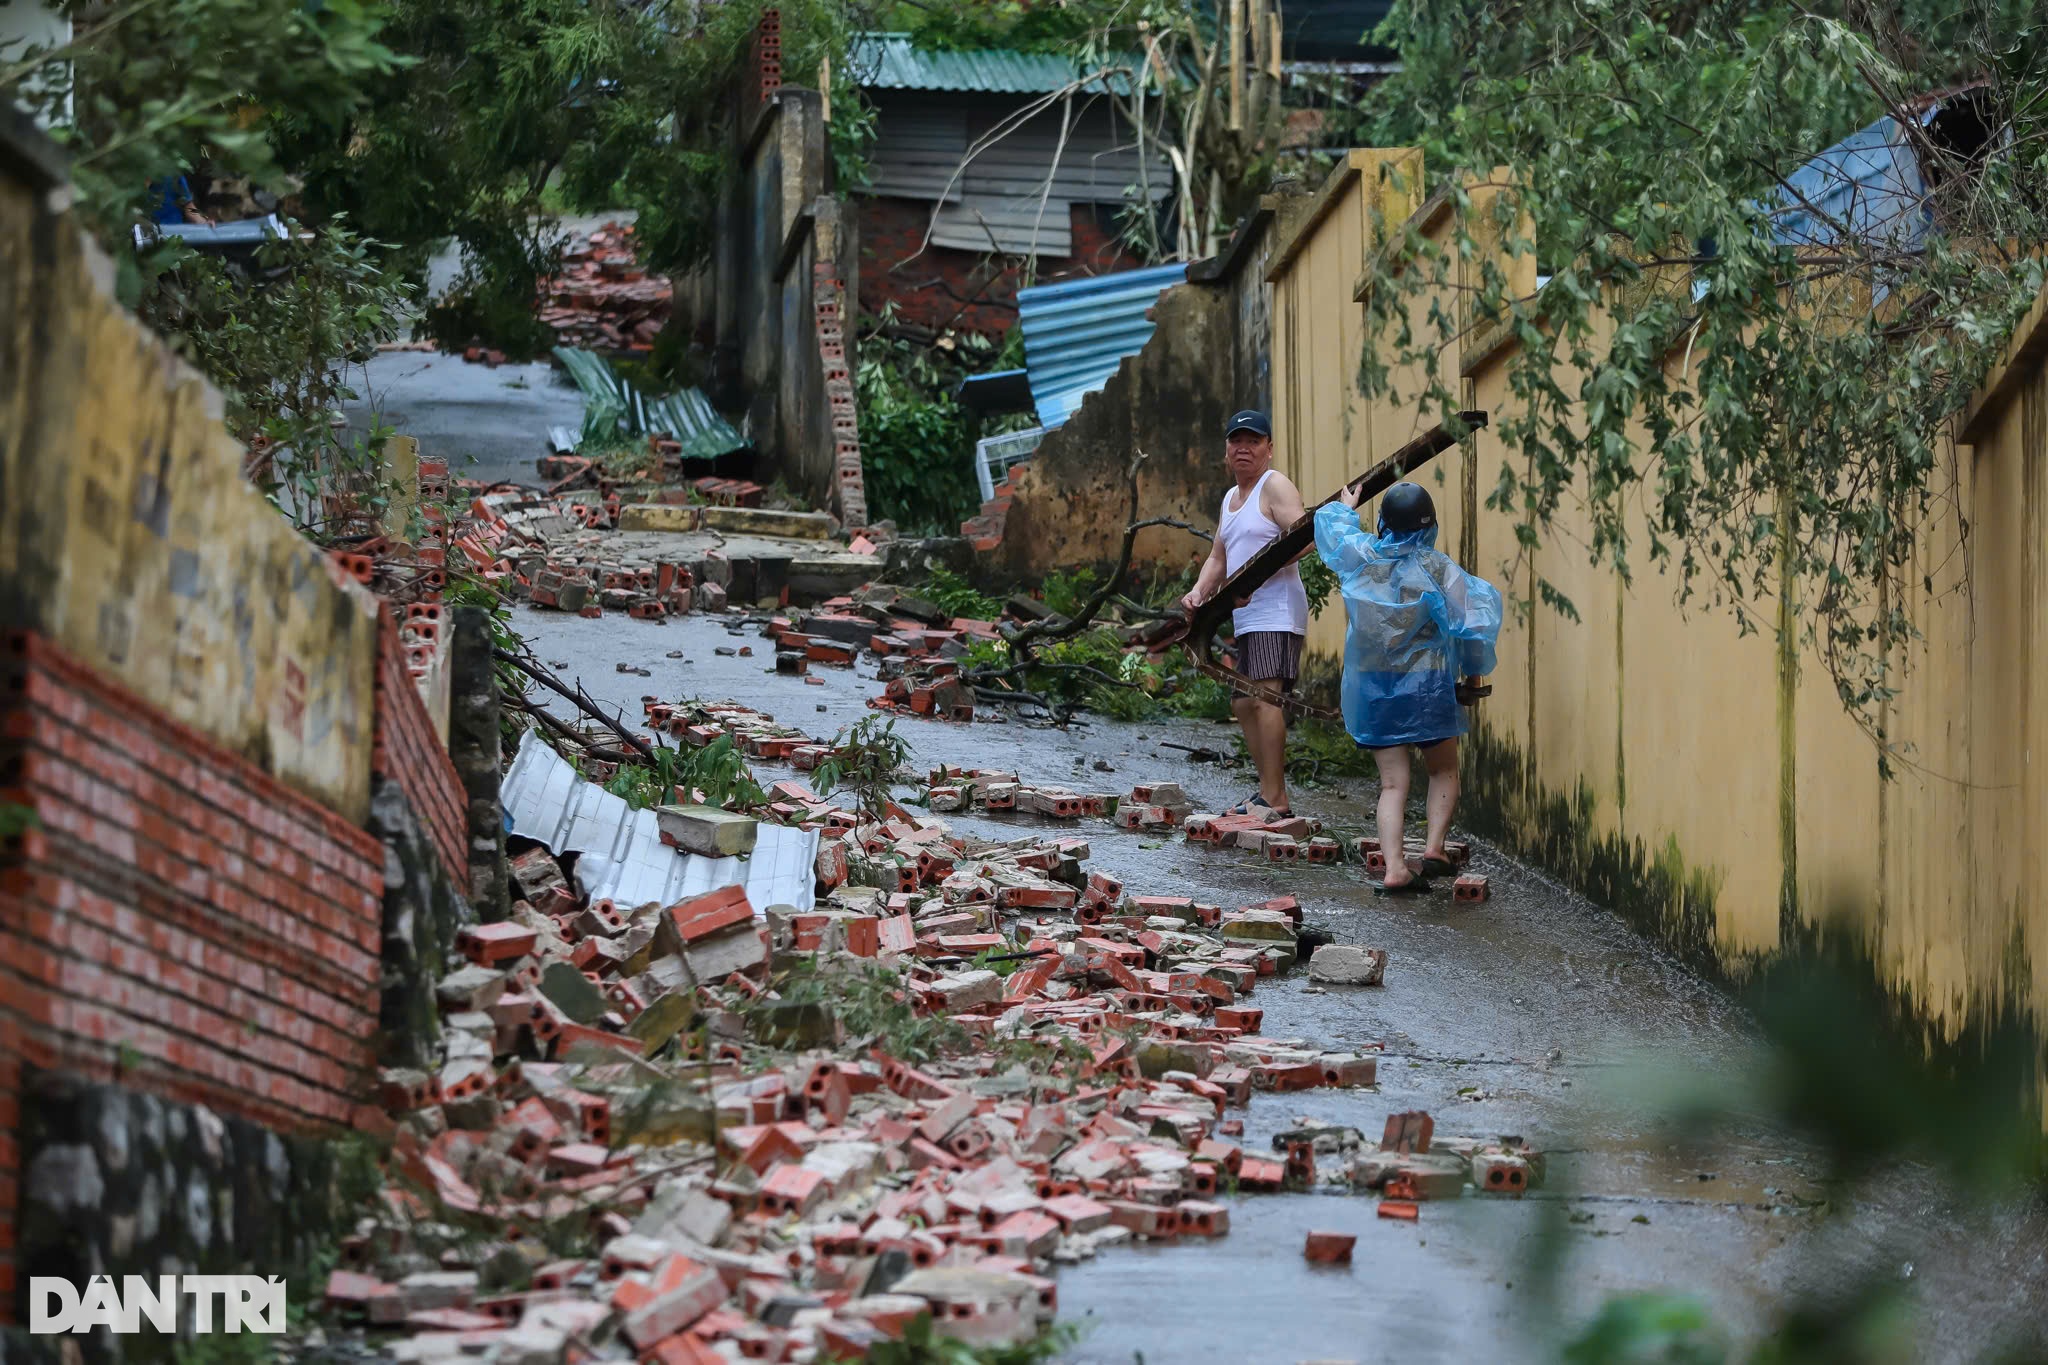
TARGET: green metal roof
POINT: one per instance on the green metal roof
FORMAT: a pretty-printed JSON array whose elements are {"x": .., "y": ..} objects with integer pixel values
[
  {"x": 613, "y": 407},
  {"x": 887, "y": 61}
]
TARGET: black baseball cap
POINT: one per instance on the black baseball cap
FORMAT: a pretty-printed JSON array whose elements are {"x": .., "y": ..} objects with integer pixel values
[{"x": 1251, "y": 419}]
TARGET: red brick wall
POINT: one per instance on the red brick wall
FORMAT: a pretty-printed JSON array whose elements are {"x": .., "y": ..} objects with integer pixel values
[
  {"x": 175, "y": 918},
  {"x": 412, "y": 755},
  {"x": 929, "y": 290}
]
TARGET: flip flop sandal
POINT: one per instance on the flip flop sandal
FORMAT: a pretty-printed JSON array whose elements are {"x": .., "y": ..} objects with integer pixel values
[
  {"x": 1273, "y": 812},
  {"x": 1417, "y": 887},
  {"x": 1244, "y": 807},
  {"x": 1437, "y": 867}
]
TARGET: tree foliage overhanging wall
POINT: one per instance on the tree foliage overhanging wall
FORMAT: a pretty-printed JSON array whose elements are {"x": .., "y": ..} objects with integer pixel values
[{"x": 1759, "y": 411}]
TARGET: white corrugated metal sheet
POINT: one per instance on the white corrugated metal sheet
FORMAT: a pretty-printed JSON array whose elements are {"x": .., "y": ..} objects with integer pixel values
[{"x": 622, "y": 856}]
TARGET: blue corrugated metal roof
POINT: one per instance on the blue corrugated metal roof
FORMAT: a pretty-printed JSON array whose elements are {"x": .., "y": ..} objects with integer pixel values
[
  {"x": 1076, "y": 333},
  {"x": 888, "y": 61}
]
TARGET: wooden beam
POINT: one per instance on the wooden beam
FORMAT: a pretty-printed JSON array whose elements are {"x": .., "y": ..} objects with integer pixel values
[{"x": 1236, "y": 66}]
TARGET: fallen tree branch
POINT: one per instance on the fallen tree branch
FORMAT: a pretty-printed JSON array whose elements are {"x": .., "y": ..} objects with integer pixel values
[
  {"x": 1024, "y": 641},
  {"x": 1060, "y": 629},
  {"x": 568, "y": 732},
  {"x": 581, "y": 700}
]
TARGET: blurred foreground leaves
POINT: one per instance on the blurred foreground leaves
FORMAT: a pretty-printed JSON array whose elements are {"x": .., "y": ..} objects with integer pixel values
[{"x": 1878, "y": 1092}]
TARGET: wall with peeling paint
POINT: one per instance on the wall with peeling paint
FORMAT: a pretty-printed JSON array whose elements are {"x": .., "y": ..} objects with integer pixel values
[
  {"x": 1206, "y": 359},
  {"x": 1710, "y": 785},
  {"x": 129, "y": 536}
]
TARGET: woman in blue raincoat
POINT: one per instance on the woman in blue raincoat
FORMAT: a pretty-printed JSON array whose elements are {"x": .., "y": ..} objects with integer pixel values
[{"x": 1418, "y": 623}]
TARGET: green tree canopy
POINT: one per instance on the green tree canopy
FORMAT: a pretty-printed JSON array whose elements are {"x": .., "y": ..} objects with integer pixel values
[{"x": 613, "y": 105}]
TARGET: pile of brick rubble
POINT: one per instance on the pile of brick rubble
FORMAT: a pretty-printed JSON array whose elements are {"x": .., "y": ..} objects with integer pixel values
[{"x": 654, "y": 1133}]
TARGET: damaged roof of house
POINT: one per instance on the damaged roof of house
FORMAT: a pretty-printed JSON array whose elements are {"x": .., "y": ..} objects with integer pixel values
[{"x": 888, "y": 61}]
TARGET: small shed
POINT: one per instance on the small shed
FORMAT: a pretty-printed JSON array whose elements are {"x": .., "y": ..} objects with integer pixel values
[{"x": 989, "y": 168}]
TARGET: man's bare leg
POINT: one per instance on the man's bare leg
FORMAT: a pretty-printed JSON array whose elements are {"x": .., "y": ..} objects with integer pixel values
[
  {"x": 1273, "y": 762},
  {"x": 1246, "y": 710},
  {"x": 1395, "y": 772},
  {"x": 1265, "y": 739},
  {"x": 1441, "y": 759}
]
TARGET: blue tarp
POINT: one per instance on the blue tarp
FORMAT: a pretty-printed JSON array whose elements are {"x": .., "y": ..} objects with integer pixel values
[{"x": 1868, "y": 185}]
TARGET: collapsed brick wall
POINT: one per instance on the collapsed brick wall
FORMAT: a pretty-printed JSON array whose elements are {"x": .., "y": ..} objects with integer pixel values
[
  {"x": 173, "y": 918},
  {"x": 973, "y": 291},
  {"x": 409, "y": 754}
]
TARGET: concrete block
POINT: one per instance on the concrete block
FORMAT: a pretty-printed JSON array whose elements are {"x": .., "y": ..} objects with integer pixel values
[
  {"x": 575, "y": 994},
  {"x": 707, "y": 830},
  {"x": 1345, "y": 964},
  {"x": 737, "y": 950},
  {"x": 763, "y": 521},
  {"x": 656, "y": 516}
]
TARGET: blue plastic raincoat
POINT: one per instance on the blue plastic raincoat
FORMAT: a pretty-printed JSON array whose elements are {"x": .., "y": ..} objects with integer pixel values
[{"x": 1418, "y": 624}]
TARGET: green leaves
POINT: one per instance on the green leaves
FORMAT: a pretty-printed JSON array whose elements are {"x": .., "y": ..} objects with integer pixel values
[
  {"x": 155, "y": 88},
  {"x": 1682, "y": 372},
  {"x": 917, "y": 442},
  {"x": 865, "y": 758},
  {"x": 718, "y": 771}
]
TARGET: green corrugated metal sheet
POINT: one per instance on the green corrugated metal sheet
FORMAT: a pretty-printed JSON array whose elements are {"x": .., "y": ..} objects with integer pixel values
[
  {"x": 887, "y": 61},
  {"x": 612, "y": 408}
]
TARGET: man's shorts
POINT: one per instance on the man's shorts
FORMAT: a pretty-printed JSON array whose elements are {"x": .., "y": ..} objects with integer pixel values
[{"x": 1269, "y": 656}]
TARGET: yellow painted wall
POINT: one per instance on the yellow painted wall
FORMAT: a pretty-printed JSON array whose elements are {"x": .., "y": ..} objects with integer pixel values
[
  {"x": 128, "y": 535},
  {"x": 1717, "y": 759}
]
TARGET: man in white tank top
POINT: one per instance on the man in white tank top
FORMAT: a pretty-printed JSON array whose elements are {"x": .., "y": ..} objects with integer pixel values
[{"x": 1272, "y": 623}]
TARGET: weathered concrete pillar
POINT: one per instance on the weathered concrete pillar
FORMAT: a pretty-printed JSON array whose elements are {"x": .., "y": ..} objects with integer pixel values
[{"x": 473, "y": 744}]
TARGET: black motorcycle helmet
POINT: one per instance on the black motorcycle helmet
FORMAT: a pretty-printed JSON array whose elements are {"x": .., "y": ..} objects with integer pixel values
[{"x": 1406, "y": 507}]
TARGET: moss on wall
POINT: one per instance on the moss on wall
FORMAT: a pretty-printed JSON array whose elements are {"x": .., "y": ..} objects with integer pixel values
[{"x": 1653, "y": 888}]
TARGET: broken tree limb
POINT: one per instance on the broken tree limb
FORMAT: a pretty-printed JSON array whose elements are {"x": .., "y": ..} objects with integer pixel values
[
  {"x": 554, "y": 723},
  {"x": 1021, "y": 642},
  {"x": 579, "y": 698}
]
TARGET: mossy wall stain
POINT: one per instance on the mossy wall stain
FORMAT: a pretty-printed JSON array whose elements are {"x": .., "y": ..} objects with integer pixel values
[{"x": 1653, "y": 888}]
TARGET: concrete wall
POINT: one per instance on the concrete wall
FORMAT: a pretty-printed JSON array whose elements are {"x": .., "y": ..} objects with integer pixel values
[
  {"x": 129, "y": 537},
  {"x": 1207, "y": 358},
  {"x": 193, "y": 720},
  {"x": 755, "y": 309},
  {"x": 1709, "y": 784}
]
